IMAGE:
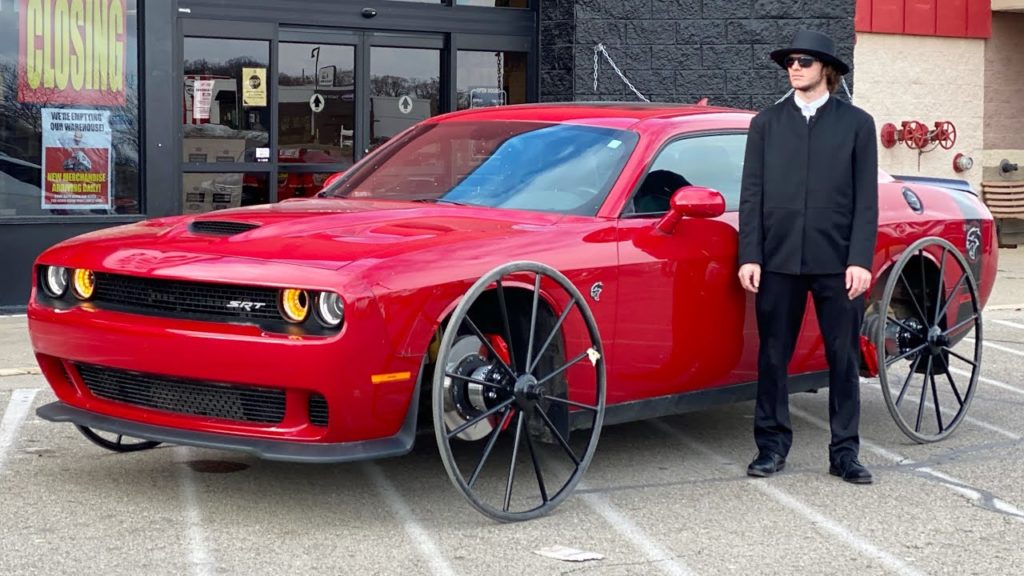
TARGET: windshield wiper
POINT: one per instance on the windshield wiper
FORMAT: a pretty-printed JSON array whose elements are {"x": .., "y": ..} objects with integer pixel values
[{"x": 443, "y": 201}]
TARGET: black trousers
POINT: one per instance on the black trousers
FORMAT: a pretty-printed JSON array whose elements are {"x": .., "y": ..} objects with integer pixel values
[{"x": 780, "y": 303}]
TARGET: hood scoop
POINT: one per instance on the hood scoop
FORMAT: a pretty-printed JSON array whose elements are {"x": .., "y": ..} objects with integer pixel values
[{"x": 220, "y": 227}]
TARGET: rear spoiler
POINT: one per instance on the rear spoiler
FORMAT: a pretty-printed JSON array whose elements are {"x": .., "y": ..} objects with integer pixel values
[{"x": 950, "y": 183}]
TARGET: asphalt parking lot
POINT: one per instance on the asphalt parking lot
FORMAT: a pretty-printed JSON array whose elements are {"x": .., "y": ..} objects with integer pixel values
[{"x": 666, "y": 496}]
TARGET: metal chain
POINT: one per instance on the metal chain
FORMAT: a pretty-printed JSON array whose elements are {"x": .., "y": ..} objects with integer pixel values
[{"x": 600, "y": 49}]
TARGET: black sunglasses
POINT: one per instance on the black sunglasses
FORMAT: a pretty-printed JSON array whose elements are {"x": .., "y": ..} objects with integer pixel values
[{"x": 804, "y": 61}]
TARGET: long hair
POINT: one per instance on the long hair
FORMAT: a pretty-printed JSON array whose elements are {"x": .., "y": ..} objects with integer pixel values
[{"x": 832, "y": 77}]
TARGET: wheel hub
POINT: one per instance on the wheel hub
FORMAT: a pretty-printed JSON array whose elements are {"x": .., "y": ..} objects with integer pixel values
[
  {"x": 936, "y": 340},
  {"x": 528, "y": 392},
  {"x": 467, "y": 400}
]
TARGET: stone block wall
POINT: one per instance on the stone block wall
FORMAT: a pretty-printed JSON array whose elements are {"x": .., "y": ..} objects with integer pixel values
[{"x": 680, "y": 50}]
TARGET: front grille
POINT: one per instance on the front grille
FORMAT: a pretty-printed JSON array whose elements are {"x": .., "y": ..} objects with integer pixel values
[
  {"x": 317, "y": 410},
  {"x": 190, "y": 299},
  {"x": 220, "y": 227},
  {"x": 193, "y": 397}
]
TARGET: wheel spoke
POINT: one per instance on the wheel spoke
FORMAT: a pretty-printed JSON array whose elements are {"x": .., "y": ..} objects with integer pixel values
[
  {"x": 512, "y": 465},
  {"x": 558, "y": 436},
  {"x": 476, "y": 381},
  {"x": 924, "y": 391},
  {"x": 956, "y": 289},
  {"x": 505, "y": 323},
  {"x": 896, "y": 359},
  {"x": 536, "y": 468},
  {"x": 490, "y": 348},
  {"x": 490, "y": 446},
  {"x": 960, "y": 325},
  {"x": 533, "y": 320},
  {"x": 462, "y": 428},
  {"x": 119, "y": 438},
  {"x": 544, "y": 348},
  {"x": 935, "y": 399},
  {"x": 573, "y": 362},
  {"x": 913, "y": 298},
  {"x": 938, "y": 291},
  {"x": 571, "y": 403},
  {"x": 952, "y": 384},
  {"x": 950, "y": 350},
  {"x": 906, "y": 383},
  {"x": 904, "y": 326}
]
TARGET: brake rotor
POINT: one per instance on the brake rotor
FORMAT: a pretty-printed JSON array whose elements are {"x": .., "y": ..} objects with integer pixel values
[{"x": 464, "y": 401}]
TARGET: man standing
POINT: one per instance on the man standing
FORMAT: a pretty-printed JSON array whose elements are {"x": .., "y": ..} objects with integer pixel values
[{"x": 808, "y": 220}]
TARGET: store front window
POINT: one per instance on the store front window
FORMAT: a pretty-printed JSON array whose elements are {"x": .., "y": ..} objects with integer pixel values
[
  {"x": 491, "y": 78},
  {"x": 69, "y": 108}
]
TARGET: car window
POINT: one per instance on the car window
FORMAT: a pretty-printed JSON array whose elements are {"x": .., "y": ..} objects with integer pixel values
[
  {"x": 564, "y": 168},
  {"x": 714, "y": 161}
]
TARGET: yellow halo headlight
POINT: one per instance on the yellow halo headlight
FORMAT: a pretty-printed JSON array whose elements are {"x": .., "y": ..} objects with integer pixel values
[
  {"x": 294, "y": 304},
  {"x": 83, "y": 284}
]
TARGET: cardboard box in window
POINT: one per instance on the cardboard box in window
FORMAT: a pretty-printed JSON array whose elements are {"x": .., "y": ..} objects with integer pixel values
[
  {"x": 197, "y": 193},
  {"x": 210, "y": 150}
]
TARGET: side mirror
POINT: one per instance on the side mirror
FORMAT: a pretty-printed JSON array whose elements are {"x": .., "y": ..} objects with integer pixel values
[{"x": 692, "y": 202}]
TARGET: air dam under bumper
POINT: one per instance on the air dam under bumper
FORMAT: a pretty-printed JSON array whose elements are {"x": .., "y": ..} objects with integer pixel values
[{"x": 304, "y": 452}]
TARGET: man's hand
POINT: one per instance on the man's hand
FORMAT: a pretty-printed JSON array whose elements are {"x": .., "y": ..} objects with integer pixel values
[
  {"x": 750, "y": 277},
  {"x": 857, "y": 281}
]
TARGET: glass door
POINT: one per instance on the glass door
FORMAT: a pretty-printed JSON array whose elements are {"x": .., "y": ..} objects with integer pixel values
[
  {"x": 317, "y": 108},
  {"x": 226, "y": 119},
  {"x": 404, "y": 84}
]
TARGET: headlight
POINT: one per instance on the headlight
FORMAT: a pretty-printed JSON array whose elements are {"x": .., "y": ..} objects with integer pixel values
[
  {"x": 294, "y": 305},
  {"x": 330, "y": 310},
  {"x": 55, "y": 281},
  {"x": 84, "y": 283}
]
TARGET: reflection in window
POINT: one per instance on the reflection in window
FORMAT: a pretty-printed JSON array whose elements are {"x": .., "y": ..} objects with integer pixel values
[
  {"x": 306, "y": 136},
  {"x": 491, "y": 78},
  {"x": 714, "y": 162},
  {"x": 522, "y": 165},
  {"x": 226, "y": 111},
  {"x": 209, "y": 192},
  {"x": 69, "y": 119},
  {"x": 300, "y": 184},
  {"x": 405, "y": 87}
]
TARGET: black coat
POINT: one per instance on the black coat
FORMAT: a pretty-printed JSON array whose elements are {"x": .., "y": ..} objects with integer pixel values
[{"x": 809, "y": 199}]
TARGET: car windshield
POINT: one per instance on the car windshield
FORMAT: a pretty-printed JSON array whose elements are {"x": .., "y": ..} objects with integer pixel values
[{"x": 565, "y": 168}]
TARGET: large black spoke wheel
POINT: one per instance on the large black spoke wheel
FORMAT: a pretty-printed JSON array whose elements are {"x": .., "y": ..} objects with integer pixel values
[
  {"x": 519, "y": 391},
  {"x": 116, "y": 442},
  {"x": 929, "y": 345}
]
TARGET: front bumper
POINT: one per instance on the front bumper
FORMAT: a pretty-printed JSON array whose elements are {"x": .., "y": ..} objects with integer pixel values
[
  {"x": 343, "y": 369},
  {"x": 284, "y": 451}
]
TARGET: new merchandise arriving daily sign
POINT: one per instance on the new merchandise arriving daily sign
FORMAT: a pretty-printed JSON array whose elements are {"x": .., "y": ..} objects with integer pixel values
[
  {"x": 76, "y": 159},
  {"x": 72, "y": 52}
]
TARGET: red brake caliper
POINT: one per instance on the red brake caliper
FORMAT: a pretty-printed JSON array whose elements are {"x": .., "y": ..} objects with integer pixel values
[
  {"x": 501, "y": 347},
  {"x": 868, "y": 357}
]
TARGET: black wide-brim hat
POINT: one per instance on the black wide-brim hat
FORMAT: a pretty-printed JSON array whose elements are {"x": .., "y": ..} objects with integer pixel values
[{"x": 813, "y": 44}]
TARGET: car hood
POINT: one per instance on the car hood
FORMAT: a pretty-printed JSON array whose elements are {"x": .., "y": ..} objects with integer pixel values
[{"x": 320, "y": 233}]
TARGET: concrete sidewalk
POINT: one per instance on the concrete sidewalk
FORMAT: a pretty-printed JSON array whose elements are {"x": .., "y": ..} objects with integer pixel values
[{"x": 16, "y": 353}]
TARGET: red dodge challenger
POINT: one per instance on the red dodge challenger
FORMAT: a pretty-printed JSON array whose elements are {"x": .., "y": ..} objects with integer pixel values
[{"x": 506, "y": 279}]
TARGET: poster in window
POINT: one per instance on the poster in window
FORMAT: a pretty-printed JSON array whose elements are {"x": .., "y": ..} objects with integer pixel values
[
  {"x": 72, "y": 52},
  {"x": 76, "y": 159},
  {"x": 254, "y": 86}
]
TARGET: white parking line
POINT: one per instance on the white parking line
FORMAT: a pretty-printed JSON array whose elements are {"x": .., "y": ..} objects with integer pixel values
[
  {"x": 974, "y": 421},
  {"x": 997, "y": 347},
  {"x": 17, "y": 409},
  {"x": 954, "y": 484},
  {"x": 817, "y": 518},
  {"x": 1008, "y": 323},
  {"x": 198, "y": 552},
  {"x": 655, "y": 553},
  {"x": 989, "y": 381},
  {"x": 428, "y": 549}
]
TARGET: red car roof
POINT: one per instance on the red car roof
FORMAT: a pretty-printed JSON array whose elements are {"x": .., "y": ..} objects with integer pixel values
[{"x": 608, "y": 114}]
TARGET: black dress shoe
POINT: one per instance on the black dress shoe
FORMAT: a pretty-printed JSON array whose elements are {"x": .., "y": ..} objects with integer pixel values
[
  {"x": 766, "y": 464},
  {"x": 850, "y": 470}
]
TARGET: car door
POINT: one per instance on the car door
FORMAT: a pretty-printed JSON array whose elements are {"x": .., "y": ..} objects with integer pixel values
[{"x": 683, "y": 321}]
